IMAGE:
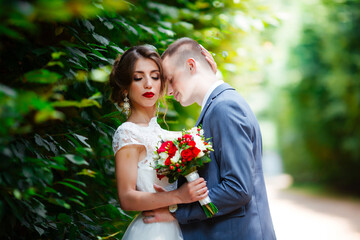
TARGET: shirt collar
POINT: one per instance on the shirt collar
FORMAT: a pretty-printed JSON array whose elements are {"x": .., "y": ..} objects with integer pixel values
[{"x": 211, "y": 89}]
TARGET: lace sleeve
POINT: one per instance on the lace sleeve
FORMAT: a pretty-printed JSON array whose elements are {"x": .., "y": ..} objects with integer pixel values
[{"x": 123, "y": 137}]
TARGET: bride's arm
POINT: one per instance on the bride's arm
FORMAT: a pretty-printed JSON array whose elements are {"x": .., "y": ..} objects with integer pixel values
[{"x": 126, "y": 160}]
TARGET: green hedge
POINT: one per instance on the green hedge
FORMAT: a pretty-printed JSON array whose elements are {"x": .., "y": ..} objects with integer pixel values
[{"x": 57, "y": 170}]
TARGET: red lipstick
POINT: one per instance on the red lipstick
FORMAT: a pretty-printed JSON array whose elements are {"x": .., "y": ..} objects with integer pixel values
[{"x": 148, "y": 94}]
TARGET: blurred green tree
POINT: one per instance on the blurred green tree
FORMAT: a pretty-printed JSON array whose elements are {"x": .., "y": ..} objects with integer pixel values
[{"x": 319, "y": 115}]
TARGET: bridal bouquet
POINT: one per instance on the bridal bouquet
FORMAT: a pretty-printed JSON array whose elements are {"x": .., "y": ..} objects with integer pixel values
[{"x": 181, "y": 157}]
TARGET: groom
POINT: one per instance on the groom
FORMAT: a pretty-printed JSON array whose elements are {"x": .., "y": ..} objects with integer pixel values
[{"x": 234, "y": 176}]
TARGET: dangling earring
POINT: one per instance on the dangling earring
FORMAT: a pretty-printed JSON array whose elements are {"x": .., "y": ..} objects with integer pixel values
[
  {"x": 158, "y": 109},
  {"x": 117, "y": 107},
  {"x": 126, "y": 105}
]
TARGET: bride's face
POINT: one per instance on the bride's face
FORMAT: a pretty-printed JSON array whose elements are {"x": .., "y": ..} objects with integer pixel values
[{"x": 145, "y": 86}]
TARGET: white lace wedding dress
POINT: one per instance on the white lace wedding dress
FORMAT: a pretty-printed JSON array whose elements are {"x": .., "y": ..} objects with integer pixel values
[{"x": 130, "y": 133}]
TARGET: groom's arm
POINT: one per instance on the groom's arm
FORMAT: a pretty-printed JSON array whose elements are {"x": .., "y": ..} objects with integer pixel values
[{"x": 232, "y": 134}]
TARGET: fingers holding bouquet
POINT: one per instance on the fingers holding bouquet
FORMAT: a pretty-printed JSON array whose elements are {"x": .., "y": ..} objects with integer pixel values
[{"x": 193, "y": 191}]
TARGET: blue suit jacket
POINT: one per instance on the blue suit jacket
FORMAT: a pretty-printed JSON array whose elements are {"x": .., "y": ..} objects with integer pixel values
[{"x": 234, "y": 176}]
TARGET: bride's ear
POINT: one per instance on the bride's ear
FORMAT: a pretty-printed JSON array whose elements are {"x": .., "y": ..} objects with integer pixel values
[{"x": 191, "y": 65}]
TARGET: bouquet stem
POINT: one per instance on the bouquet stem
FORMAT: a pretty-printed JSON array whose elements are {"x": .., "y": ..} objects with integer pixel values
[{"x": 209, "y": 208}]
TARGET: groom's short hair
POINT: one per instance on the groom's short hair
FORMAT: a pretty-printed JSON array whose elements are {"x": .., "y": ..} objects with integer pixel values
[{"x": 183, "y": 49}]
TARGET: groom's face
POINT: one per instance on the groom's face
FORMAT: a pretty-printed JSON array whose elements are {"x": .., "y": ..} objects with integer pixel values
[{"x": 178, "y": 78}]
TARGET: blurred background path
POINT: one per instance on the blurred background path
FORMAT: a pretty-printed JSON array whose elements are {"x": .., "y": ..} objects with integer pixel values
[{"x": 300, "y": 215}]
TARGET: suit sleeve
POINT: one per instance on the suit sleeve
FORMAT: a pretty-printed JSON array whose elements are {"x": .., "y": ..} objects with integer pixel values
[{"x": 232, "y": 134}]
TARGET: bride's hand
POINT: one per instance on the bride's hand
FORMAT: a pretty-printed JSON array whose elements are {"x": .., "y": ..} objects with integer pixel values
[
  {"x": 209, "y": 58},
  {"x": 193, "y": 191}
]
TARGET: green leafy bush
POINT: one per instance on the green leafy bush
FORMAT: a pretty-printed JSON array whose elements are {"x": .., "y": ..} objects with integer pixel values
[{"x": 57, "y": 168}]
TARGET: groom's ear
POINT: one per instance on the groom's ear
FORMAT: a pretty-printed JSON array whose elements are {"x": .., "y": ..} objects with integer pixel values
[{"x": 191, "y": 65}]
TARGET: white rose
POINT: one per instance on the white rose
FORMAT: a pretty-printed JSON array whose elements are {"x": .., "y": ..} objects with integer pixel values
[
  {"x": 201, "y": 153},
  {"x": 161, "y": 162},
  {"x": 176, "y": 157},
  {"x": 193, "y": 131},
  {"x": 163, "y": 156},
  {"x": 199, "y": 143},
  {"x": 202, "y": 132}
]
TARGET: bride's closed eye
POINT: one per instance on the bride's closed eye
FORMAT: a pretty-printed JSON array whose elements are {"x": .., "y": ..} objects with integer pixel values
[
  {"x": 155, "y": 76},
  {"x": 137, "y": 77}
]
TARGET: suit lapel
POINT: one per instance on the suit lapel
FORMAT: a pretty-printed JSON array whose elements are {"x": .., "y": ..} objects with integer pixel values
[{"x": 217, "y": 91}]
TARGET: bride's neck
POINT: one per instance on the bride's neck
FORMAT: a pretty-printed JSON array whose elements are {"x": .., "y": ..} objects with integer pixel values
[{"x": 142, "y": 116}]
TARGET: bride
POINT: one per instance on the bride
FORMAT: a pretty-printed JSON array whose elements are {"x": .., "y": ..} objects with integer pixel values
[{"x": 137, "y": 82}]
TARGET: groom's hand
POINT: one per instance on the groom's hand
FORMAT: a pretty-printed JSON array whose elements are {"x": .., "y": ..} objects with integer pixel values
[{"x": 158, "y": 215}]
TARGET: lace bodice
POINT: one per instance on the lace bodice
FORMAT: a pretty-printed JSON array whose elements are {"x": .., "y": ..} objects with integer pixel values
[{"x": 130, "y": 133}]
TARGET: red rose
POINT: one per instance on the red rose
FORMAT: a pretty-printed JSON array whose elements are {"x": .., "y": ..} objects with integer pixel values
[
  {"x": 163, "y": 147},
  {"x": 167, "y": 161},
  {"x": 171, "y": 149},
  {"x": 195, "y": 151},
  {"x": 192, "y": 143},
  {"x": 187, "y": 154},
  {"x": 187, "y": 136}
]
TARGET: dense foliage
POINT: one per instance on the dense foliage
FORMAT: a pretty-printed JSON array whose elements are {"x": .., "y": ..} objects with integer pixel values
[
  {"x": 319, "y": 118},
  {"x": 57, "y": 169}
]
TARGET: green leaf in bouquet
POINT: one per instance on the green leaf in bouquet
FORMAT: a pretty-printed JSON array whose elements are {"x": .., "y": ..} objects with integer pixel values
[{"x": 205, "y": 159}]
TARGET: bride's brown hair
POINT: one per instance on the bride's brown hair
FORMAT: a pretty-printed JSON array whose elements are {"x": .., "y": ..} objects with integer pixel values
[{"x": 121, "y": 75}]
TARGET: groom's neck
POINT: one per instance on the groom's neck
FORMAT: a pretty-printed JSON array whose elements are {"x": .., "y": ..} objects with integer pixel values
[{"x": 203, "y": 85}]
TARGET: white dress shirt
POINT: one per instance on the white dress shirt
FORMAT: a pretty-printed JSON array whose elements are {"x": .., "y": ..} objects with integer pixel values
[{"x": 208, "y": 93}]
